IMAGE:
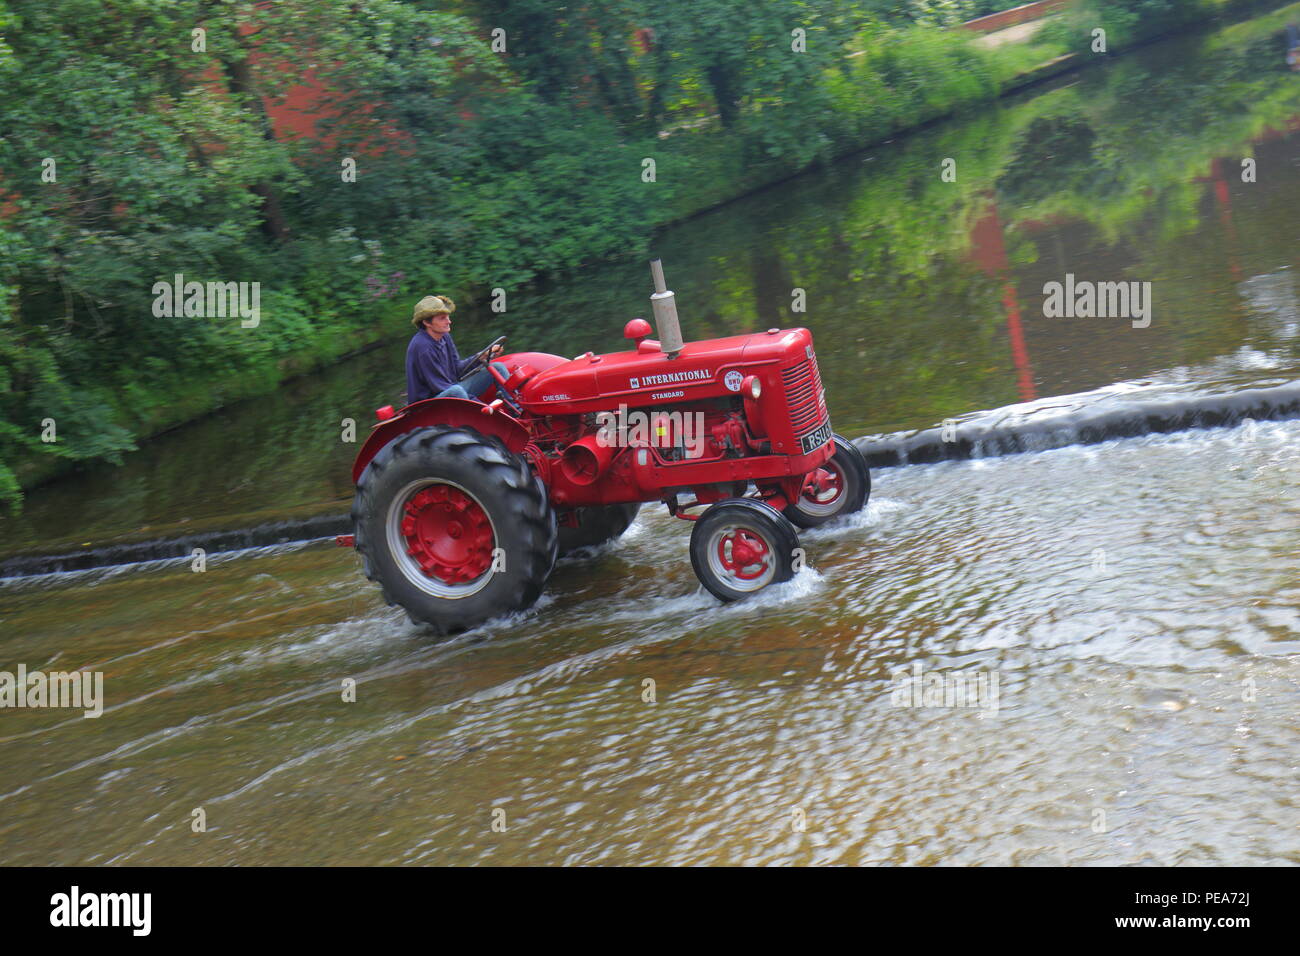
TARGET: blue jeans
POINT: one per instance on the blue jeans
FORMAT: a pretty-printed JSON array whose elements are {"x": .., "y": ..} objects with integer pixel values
[{"x": 475, "y": 385}]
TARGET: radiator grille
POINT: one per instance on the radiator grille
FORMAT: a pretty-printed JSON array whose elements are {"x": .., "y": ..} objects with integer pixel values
[{"x": 804, "y": 396}]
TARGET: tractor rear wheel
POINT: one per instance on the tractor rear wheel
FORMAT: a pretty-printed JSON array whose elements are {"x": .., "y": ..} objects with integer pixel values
[
  {"x": 740, "y": 546},
  {"x": 596, "y": 526},
  {"x": 454, "y": 527},
  {"x": 839, "y": 487}
]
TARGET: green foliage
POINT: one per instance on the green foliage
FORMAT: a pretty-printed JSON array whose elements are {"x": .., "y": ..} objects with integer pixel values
[
  {"x": 164, "y": 162},
  {"x": 1129, "y": 22},
  {"x": 922, "y": 73}
]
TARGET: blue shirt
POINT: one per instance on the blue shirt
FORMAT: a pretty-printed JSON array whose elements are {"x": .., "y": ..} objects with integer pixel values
[{"x": 432, "y": 365}]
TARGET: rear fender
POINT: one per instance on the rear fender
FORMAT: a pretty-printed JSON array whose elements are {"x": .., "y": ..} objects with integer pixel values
[{"x": 456, "y": 412}]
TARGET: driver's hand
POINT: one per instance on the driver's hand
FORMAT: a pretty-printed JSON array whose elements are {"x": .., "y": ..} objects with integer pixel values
[{"x": 495, "y": 351}]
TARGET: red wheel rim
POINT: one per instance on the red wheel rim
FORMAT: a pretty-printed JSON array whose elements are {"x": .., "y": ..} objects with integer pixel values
[
  {"x": 448, "y": 534},
  {"x": 823, "y": 492},
  {"x": 824, "y": 486},
  {"x": 744, "y": 554}
]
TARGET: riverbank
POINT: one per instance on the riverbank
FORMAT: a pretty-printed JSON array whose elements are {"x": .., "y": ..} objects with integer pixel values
[
  {"x": 177, "y": 399},
  {"x": 899, "y": 80}
]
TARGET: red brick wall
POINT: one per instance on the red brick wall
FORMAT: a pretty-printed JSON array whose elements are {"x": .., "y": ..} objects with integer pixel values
[{"x": 1009, "y": 18}]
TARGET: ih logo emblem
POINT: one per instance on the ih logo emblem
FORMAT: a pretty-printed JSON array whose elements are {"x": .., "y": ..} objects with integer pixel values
[{"x": 634, "y": 383}]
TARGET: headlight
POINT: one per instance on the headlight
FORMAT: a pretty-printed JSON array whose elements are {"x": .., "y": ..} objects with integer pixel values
[{"x": 753, "y": 386}]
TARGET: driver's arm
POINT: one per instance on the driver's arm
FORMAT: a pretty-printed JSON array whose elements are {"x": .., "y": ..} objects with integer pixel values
[{"x": 461, "y": 364}]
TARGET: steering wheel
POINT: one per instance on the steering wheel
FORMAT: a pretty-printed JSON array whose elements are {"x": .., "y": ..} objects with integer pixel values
[{"x": 480, "y": 357}]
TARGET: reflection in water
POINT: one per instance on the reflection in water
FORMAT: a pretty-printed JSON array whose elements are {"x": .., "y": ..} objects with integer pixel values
[{"x": 989, "y": 250}]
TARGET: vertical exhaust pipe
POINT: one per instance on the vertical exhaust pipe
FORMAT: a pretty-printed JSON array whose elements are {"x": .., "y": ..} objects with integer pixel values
[{"x": 665, "y": 309}]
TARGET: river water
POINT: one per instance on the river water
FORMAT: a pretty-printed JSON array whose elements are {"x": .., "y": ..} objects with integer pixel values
[{"x": 1130, "y": 611}]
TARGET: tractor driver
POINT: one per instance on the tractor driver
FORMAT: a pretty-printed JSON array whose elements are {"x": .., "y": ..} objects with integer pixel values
[{"x": 433, "y": 366}]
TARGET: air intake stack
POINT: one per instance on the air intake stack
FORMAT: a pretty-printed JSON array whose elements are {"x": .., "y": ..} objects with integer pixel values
[{"x": 664, "y": 305}]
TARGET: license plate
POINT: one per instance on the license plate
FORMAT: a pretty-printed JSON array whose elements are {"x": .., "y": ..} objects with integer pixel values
[{"x": 814, "y": 440}]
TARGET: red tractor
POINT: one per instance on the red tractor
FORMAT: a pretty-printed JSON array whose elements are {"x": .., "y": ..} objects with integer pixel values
[{"x": 462, "y": 506}]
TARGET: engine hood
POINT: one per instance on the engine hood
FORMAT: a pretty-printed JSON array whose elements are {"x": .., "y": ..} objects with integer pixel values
[{"x": 706, "y": 369}]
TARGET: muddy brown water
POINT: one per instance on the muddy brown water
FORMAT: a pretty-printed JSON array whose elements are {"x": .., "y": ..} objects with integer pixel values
[{"x": 1131, "y": 609}]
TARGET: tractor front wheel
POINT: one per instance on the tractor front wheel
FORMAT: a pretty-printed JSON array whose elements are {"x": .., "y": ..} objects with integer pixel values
[
  {"x": 740, "y": 546},
  {"x": 454, "y": 527},
  {"x": 839, "y": 487}
]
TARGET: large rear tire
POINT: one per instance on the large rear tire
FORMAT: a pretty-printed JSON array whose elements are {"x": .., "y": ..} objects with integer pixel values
[
  {"x": 739, "y": 546},
  {"x": 596, "y": 526},
  {"x": 843, "y": 485},
  {"x": 454, "y": 527}
]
